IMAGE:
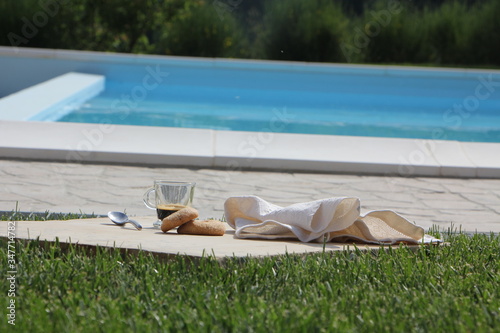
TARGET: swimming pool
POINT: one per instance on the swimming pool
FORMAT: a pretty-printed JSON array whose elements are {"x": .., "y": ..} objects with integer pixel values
[
  {"x": 44, "y": 86},
  {"x": 308, "y": 98}
]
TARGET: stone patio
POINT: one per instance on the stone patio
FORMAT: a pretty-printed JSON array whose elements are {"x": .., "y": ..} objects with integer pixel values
[{"x": 469, "y": 204}]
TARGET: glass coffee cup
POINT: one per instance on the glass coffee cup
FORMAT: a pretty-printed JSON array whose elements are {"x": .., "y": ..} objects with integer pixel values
[{"x": 169, "y": 197}]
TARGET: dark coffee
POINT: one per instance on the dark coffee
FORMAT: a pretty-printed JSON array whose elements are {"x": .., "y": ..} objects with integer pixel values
[{"x": 165, "y": 210}]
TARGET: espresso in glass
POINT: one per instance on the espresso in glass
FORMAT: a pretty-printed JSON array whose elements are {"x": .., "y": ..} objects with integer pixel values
[
  {"x": 165, "y": 210},
  {"x": 169, "y": 197}
]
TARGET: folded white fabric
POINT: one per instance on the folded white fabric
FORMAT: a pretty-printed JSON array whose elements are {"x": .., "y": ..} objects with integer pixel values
[{"x": 336, "y": 219}]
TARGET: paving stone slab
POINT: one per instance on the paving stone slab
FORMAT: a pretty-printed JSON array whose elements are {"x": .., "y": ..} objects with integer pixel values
[{"x": 102, "y": 232}]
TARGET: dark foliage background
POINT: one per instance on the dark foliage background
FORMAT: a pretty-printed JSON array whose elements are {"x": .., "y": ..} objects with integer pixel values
[{"x": 429, "y": 32}]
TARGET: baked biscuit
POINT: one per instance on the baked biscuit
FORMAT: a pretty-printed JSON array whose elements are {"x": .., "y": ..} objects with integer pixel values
[
  {"x": 178, "y": 218},
  {"x": 203, "y": 227}
]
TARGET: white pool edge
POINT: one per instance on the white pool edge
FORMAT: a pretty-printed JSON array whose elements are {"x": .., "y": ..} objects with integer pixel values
[
  {"x": 232, "y": 150},
  {"x": 40, "y": 102}
]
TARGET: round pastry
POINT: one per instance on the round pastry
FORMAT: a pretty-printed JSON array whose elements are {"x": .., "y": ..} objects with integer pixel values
[
  {"x": 178, "y": 218},
  {"x": 203, "y": 227}
]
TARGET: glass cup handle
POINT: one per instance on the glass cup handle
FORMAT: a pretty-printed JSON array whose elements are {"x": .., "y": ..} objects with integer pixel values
[{"x": 146, "y": 200}]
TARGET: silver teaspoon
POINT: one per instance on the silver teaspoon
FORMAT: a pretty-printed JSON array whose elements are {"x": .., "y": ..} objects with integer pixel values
[{"x": 120, "y": 218}]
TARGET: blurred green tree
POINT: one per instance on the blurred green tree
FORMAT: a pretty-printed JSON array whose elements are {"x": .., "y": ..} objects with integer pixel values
[
  {"x": 200, "y": 30},
  {"x": 302, "y": 30}
]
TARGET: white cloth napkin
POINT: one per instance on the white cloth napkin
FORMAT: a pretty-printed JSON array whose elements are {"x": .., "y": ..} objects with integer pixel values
[{"x": 336, "y": 219}]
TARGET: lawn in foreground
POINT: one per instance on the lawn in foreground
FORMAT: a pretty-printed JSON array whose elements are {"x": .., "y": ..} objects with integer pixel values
[{"x": 433, "y": 289}]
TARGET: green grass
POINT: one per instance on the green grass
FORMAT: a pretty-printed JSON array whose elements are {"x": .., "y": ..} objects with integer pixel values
[
  {"x": 453, "y": 288},
  {"x": 41, "y": 216},
  {"x": 17, "y": 215}
]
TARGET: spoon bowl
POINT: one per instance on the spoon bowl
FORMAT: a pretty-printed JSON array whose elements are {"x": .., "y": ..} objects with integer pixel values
[{"x": 120, "y": 219}]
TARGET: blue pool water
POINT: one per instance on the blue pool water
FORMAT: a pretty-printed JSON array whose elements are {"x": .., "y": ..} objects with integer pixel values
[{"x": 294, "y": 98}]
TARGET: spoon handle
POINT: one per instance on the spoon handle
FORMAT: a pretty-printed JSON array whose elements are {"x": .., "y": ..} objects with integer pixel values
[{"x": 136, "y": 224}]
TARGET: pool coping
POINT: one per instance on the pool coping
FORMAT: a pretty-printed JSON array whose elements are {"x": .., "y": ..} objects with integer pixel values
[
  {"x": 38, "y": 102},
  {"x": 232, "y": 150},
  {"x": 125, "y": 58},
  {"x": 235, "y": 150}
]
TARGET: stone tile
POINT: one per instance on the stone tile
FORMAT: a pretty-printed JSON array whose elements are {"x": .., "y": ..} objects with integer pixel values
[
  {"x": 438, "y": 180},
  {"x": 397, "y": 197},
  {"x": 70, "y": 169},
  {"x": 381, "y": 205},
  {"x": 496, "y": 209},
  {"x": 469, "y": 220},
  {"x": 329, "y": 180},
  {"x": 343, "y": 193},
  {"x": 486, "y": 199},
  {"x": 418, "y": 185},
  {"x": 149, "y": 239},
  {"x": 461, "y": 226},
  {"x": 438, "y": 196},
  {"x": 374, "y": 185},
  {"x": 452, "y": 204},
  {"x": 417, "y": 212},
  {"x": 487, "y": 183},
  {"x": 479, "y": 214},
  {"x": 463, "y": 187}
]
